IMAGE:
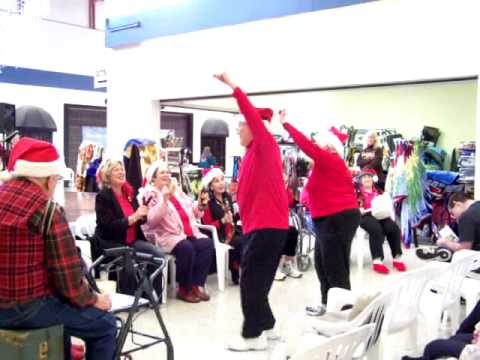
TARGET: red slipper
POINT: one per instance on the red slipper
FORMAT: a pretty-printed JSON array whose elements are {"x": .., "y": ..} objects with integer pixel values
[
  {"x": 77, "y": 351},
  {"x": 380, "y": 268},
  {"x": 399, "y": 265}
]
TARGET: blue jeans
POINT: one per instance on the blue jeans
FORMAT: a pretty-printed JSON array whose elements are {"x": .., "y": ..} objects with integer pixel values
[{"x": 97, "y": 328}]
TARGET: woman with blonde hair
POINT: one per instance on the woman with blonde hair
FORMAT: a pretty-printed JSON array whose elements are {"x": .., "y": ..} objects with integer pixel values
[
  {"x": 120, "y": 216},
  {"x": 170, "y": 224},
  {"x": 371, "y": 157}
]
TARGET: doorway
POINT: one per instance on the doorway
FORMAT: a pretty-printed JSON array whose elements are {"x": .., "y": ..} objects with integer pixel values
[{"x": 214, "y": 133}]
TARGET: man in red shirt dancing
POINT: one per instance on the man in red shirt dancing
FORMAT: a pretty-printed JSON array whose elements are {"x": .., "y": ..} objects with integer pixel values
[{"x": 264, "y": 214}]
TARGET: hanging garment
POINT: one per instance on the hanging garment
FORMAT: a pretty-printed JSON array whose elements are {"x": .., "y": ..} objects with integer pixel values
[
  {"x": 133, "y": 168},
  {"x": 89, "y": 158}
]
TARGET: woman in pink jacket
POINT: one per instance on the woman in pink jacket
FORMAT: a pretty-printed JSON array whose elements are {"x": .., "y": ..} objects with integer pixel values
[{"x": 171, "y": 226}]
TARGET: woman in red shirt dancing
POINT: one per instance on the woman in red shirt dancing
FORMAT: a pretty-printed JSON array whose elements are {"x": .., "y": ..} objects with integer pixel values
[{"x": 333, "y": 207}]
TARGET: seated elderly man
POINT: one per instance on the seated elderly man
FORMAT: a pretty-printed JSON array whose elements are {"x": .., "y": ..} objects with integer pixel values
[{"x": 41, "y": 283}]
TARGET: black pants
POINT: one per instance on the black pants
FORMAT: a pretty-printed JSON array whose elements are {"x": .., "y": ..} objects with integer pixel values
[
  {"x": 261, "y": 254},
  {"x": 377, "y": 231},
  {"x": 292, "y": 242},
  {"x": 334, "y": 235},
  {"x": 454, "y": 346}
]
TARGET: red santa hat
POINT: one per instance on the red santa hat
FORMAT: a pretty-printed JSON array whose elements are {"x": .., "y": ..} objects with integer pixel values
[
  {"x": 331, "y": 137},
  {"x": 34, "y": 158},
  {"x": 209, "y": 175},
  {"x": 368, "y": 172}
]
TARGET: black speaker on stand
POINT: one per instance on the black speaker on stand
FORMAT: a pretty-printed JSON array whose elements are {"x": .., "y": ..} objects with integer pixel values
[
  {"x": 7, "y": 118},
  {"x": 7, "y": 130}
]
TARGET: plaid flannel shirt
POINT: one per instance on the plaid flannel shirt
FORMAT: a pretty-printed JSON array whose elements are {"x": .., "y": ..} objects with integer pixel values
[{"x": 32, "y": 266}]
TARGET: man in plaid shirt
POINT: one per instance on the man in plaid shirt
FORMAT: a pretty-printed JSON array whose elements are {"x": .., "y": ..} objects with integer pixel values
[{"x": 41, "y": 283}]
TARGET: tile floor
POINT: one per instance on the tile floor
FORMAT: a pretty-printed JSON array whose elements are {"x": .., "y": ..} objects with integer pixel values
[{"x": 200, "y": 331}]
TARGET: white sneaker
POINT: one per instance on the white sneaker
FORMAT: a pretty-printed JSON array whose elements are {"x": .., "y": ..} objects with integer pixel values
[
  {"x": 280, "y": 276},
  {"x": 318, "y": 310},
  {"x": 239, "y": 343},
  {"x": 289, "y": 269},
  {"x": 272, "y": 335}
]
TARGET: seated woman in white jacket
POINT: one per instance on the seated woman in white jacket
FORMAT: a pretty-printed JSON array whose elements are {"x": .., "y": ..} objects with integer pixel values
[{"x": 170, "y": 225}]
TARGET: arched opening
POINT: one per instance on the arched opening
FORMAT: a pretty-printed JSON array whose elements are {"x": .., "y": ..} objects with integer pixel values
[{"x": 213, "y": 134}]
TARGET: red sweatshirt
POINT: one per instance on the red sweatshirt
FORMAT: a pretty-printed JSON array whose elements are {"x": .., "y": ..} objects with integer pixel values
[
  {"x": 261, "y": 192},
  {"x": 330, "y": 185}
]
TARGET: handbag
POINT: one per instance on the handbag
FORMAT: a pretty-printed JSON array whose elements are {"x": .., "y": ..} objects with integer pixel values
[{"x": 382, "y": 207}]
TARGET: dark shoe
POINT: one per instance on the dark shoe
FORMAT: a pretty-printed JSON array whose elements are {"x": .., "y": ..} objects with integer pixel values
[
  {"x": 187, "y": 297},
  {"x": 437, "y": 253},
  {"x": 411, "y": 358},
  {"x": 199, "y": 293},
  {"x": 427, "y": 253},
  {"x": 235, "y": 277}
]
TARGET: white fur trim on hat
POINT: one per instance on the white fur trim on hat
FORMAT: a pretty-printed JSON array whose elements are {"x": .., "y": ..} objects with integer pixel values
[
  {"x": 212, "y": 174},
  {"x": 157, "y": 165},
  {"x": 38, "y": 169},
  {"x": 327, "y": 138},
  {"x": 241, "y": 120}
]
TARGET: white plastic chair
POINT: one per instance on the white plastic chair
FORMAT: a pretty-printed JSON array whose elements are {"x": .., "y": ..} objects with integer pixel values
[
  {"x": 221, "y": 251},
  {"x": 446, "y": 299},
  {"x": 336, "y": 322},
  {"x": 339, "y": 347},
  {"x": 470, "y": 291},
  {"x": 360, "y": 246},
  {"x": 84, "y": 226},
  {"x": 69, "y": 176},
  {"x": 408, "y": 289}
]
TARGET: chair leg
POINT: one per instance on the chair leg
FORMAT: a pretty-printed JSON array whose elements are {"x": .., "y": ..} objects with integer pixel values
[
  {"x": 374, "y": 352},
  {"x": 165, "y": 281},
  {"x": 359, "y": 250},
  {"x": 173, "y": 275},
  {"x": 413, "y": 337},
  {"x": 220, "y": 255}
]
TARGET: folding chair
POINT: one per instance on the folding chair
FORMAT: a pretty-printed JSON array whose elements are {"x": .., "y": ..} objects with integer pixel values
[{"x": 127, "y": 258}]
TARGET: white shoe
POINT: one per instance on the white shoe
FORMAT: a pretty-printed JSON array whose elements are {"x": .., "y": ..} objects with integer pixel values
[
  {"x": 272, "y": 335},
  {"x": 280, "y": 276},
  {"x": 289, "y": 269},
  {"x": 239, "y": 343},
  {"x": 318, "y": 310}
]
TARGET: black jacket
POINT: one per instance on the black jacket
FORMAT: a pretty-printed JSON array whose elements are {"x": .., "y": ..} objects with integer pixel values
[
  {"x": 375, "y": 163},
  {"x": 111, "y": 222}
]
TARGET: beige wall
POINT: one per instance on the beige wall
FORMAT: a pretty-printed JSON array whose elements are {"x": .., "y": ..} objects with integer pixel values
[{"x": 451, "y": 107}]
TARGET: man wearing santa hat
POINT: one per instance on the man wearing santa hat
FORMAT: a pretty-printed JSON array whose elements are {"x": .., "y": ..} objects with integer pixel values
[
  {"x": 264, "y": 214},
  {"x": 333, "y": 207},
  {"x": 41, "y": 283}
]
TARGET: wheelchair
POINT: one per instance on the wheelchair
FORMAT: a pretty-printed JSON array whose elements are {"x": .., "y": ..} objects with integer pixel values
[
  {"x": 306, "y": 238},
  {"x": 126, "y": 258}
]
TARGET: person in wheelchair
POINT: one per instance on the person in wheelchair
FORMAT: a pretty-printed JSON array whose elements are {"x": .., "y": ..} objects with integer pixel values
[
  {"x": 220, "y": 213},
  {"x": 288, "y": 266},
  {"x": 119, "y": 220},
  {"x": 378, "y": 229},
  {"x": 41, "y": 283},
  {"x": 171, "y": 226}
]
